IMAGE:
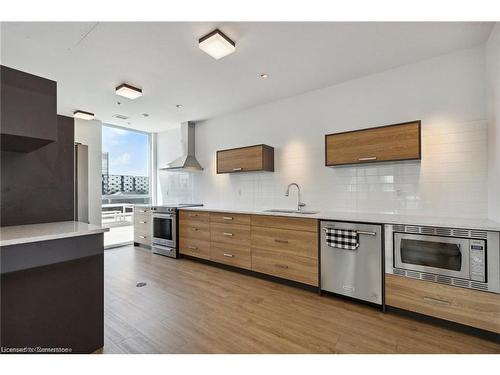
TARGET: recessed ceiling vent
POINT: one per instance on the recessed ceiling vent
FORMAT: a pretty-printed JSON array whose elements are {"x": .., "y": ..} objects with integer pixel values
[{"x": 121, "y": 117}]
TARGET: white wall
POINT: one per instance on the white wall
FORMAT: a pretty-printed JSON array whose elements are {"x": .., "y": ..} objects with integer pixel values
[
  {"x": 493, "y": 104},
  {"x": 89, "y": 133},
  {"x": 447, "y": 93}
]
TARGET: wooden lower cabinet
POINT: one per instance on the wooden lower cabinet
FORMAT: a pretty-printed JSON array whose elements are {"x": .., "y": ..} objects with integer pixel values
[
  {"x": 230, "y": 234},
  {"x": 466, "y": 306},
  {"x": 285, "y": 247},
  {"x": 234, "y": 255},
  {"x": 300, "y": 269},
  {"x": 194, "y": 247}
]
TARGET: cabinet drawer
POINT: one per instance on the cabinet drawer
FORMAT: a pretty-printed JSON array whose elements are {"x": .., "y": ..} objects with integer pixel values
[
  {"x": 301, "y": 269},
  {"x": 245, "y": 159},
  {"x": 143, "y": 229},
  {"x": 195, "y": 248},
  {"x": 195, "y": 230},
  {"x": 143, "y": 219},
  {"x": 230, "y": 234},
  {"x": 282, "y": 222},
  {"x": 143, "y": 238},
  {"x": 470, "y": 307},
  {"x": 229, "y": 218},
  {"x": 194, "y": 215},
  {"x": 142, "y": 210},
  {"x": 286, "y": 241},
  {"x": 385, "y": 143},
  {"x": 234, "y": 255}
]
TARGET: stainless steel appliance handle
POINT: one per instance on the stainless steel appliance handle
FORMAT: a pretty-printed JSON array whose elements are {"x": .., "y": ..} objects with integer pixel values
[
  {"x": 368, "y": 158},
  {"x": 358, "y": 231},
  {"x": 163, "y": 216},
  {"x": 163, "y": 247}
]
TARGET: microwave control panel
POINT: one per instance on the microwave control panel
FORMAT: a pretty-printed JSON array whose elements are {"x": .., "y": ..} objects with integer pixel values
[{"x": 477, "y": 258}]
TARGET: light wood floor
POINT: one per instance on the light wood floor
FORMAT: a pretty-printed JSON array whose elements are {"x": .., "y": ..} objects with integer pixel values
[{"x": 189, "y": 307}]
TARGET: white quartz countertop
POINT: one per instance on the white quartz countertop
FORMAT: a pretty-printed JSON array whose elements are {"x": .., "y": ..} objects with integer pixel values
[
  {"x": 368, "y": 217},
  {"x": 19, "y": 234}
]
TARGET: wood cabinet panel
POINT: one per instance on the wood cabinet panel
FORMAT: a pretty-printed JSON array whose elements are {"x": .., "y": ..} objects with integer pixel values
[
  {"x": 194, "y": 247},
  {"x": 284, "y": 265},
  {"x": 283, "y": 222},
  {"x": 229, "y": 218},
  {"x": 246, "y": 159},
  {"x": 230, "y": 234},
  {"x": 234, "y": 255},
  {"x": 386, "y": 143},
  {"x": 286, "y": 241},
  {"x": 470, "y": 307},
  {"x": 194, "y": 215},
  {"x": 195, "y": 230}
]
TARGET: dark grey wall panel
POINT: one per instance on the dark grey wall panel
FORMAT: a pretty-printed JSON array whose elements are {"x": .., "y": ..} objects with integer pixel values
[
  {"x": 38, "y": 187},
  {"x": 28, "y": 110}
]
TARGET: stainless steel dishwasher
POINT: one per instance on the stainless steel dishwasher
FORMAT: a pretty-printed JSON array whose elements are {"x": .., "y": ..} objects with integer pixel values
[{"x": 353, "y": 273}]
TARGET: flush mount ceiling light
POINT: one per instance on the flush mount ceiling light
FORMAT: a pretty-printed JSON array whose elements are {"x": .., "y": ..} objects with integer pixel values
[
  {"x": 264, "y": 75},
  {"x": 179, "y": 105},
  {"x": 217, "y": 44},
  {"x": 83, "y": 115},
  {"x": 128, "y": 91}
]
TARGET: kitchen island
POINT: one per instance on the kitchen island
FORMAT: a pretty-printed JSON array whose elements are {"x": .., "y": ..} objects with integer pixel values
[{"x": 52, "y": 288}]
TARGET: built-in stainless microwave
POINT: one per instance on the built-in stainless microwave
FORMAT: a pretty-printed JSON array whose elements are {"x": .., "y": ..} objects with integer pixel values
[{"x": 459, "y": 257}]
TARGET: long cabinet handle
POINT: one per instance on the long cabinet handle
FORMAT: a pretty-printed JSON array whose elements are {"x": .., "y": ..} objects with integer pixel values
[
  {"x": 368, "y": 158},
  {"x": 142, "y": 237},
  {"x": 284, "y": 266},
  {"x": 227, "y": 218},
  {"x": 143, "y": 222},
  {"x": 228, "y": 255},
  {"x": 325, "y": 229},
  {"x": 436, "y": 301},
  {"x": 227, "y": 234},
  {"x": 280, "y": 241},
  {"x": 237, "y": 169}
]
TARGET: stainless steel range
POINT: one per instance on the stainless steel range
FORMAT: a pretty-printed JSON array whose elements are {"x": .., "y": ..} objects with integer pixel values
[{"x": 165, "y": 229}]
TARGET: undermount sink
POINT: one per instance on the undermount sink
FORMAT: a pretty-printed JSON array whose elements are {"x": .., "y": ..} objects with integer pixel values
[{"x": 284, "y": 211}]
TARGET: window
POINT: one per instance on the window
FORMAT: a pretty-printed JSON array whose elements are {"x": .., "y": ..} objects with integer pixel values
[{"x": 126, "y": 180}]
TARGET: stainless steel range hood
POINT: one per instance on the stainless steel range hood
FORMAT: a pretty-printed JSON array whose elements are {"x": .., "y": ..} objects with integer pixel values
[{"x": 188, "y": 161}]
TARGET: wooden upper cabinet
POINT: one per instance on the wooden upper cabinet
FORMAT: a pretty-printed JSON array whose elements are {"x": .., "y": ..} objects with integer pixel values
[
  {"x": 386, "y": 143},
  {"x": 246, "y": 159}
]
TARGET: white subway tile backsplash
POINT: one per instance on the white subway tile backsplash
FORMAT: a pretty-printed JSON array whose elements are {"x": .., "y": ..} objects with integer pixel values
[{"x": 450, "y": 180}]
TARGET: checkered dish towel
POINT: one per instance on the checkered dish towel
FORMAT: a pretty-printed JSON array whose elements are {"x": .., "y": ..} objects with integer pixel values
[{"x": 342, "y": 238}]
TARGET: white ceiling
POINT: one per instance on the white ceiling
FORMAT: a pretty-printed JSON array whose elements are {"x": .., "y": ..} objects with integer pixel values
[{"x": 89, "y": 59}]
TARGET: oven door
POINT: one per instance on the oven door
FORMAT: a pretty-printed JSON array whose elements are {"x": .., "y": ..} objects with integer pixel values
[
  {"x": 447, "y": 256},
  {"x": 164, "y": 230}
]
